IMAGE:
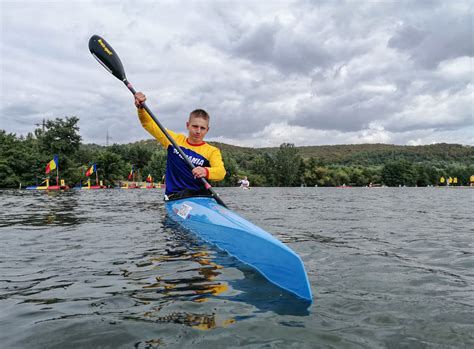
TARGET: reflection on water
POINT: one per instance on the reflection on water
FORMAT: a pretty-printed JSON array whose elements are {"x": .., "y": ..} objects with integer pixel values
[
  {"x": 183, "y": 272},
  {"x": 47, "y": 208},
  {"x": 107, "y": 269}
]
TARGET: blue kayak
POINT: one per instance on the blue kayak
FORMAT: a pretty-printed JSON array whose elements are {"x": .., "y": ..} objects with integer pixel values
[{"x": 242, "y": 240}]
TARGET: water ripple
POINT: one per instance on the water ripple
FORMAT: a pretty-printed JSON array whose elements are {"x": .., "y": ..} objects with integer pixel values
[{"x": 388, "y": 268}]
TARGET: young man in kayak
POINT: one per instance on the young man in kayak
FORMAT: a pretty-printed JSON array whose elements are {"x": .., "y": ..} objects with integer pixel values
[{"x": 180, "y": 180}]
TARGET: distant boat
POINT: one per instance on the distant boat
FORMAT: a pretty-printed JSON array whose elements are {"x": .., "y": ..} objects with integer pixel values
[
  {"x": 98, "y": 184},
  {"x": 94, "y": 187},
  {"x": 132, "y": 185},
  {"x": 148, "y": 183},
  {"x": 62, "y": 186},
  {"x": 131, "y": 177},
  {"x": 50, "y": 166}
]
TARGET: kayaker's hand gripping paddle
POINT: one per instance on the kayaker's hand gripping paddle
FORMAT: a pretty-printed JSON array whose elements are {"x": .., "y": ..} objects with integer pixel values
[{"x": 109, "y": 59}]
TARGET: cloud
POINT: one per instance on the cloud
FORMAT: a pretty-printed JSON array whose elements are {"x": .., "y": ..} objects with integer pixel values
[
  {"x": 442, "y": 37},
  {"x": 297, "y": 72},
  {"x": 287, "y": 50}
]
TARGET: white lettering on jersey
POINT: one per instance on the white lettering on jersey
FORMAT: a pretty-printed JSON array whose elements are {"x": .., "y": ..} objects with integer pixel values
[{"x": 195, "y": 161}]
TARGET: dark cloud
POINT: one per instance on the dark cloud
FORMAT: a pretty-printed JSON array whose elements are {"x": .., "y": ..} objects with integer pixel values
[
  {"x": 273, "y": 44},
  {"x": 442, "y": 37},
  {"x": 407, "y": 38},
  {"x": 352, "y": 112}
]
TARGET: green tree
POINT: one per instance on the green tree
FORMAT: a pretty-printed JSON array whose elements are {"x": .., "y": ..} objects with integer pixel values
[
  {"x": 61, "y": 137},
  {"x": 156, "y": 167},
  {"x": 357, "y": 177},
  {"x": 285, "y": 161},
  {"x": 138, "y": 155},
  {"x": 323, "y": 178},
  {"x": 401, "y": 172},
  {"x": 309, "y": 176},
  {"x": 301, "y": 171},
  {"x": 263, "y": 168},
  {"x": 110, "y": 167},
  {"x": 423, "y": 177},
  {"x": 232, "y": 171},
  {"x": 8, "y": 178},
  {"x": 339, "y": 176},
  {"x": 18, "y": 160}
]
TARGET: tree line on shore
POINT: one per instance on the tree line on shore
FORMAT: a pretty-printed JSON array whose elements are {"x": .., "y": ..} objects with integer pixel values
[{"x": 23, "y": 160}]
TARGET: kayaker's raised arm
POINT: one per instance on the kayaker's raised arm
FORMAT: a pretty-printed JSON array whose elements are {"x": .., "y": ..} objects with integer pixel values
[{"x": 148, "y": 123}]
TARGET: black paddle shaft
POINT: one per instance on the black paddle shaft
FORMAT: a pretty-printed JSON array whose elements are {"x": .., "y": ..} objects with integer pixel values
[{"x": 106, "y": 55}]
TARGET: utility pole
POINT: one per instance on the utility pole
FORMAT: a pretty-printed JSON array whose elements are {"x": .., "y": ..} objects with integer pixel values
[
  {"x": 107, "y": 137},
  {"x": 43, "y": 124}
]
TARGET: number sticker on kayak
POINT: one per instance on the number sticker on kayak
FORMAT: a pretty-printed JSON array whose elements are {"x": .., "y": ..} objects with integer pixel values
[{"x": 184, "y": 211}]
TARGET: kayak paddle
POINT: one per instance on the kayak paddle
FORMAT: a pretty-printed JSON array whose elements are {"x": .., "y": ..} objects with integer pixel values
[{"x": 106, "y": 55}]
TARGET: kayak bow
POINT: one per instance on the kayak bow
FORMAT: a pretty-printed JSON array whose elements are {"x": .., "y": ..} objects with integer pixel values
[{"x": 243, "y": 240}]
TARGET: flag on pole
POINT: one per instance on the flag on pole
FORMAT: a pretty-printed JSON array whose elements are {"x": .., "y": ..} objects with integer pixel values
[
  {"x": 149, "y": 179},
  {"x": 91, "y": 170},
  {"x": 52, "y": 165}
]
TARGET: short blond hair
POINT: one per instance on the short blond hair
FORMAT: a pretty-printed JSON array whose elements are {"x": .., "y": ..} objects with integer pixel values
[{"x": 199, "y": 113}]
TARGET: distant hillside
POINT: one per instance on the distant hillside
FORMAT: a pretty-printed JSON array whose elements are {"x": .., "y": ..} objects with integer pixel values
[
  {"x": 372, "y": 154},
  {"x": 353, "y": 154}
]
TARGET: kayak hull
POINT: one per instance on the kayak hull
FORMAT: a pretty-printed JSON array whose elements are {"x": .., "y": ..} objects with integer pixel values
[{"x": 242, "y": 240}]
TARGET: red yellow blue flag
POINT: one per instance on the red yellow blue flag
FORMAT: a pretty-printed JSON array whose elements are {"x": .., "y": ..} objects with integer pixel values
[
  {"x": 52, "y": 165},
  {"x": 91, "y": 170}
]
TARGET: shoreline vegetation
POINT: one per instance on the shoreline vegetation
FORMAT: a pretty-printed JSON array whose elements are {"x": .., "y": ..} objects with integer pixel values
[{"x": 23, "y": 161}]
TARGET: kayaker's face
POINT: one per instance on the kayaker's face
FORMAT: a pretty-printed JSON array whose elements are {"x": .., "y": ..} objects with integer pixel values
[{"x": 198, "y": 128}]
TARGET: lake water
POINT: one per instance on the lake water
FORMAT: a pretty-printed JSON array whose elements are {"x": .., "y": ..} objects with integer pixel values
[{"x": 388, "y": 267}]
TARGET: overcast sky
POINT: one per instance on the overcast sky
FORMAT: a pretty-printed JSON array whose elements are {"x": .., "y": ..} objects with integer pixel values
[{"x": 304, "y": 72}]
